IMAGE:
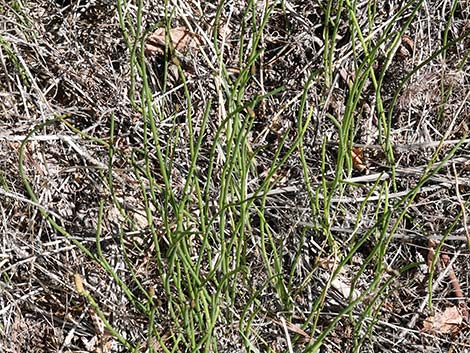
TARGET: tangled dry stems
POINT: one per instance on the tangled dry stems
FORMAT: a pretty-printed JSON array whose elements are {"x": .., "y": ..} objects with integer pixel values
[{"x": 70, "y": 60}]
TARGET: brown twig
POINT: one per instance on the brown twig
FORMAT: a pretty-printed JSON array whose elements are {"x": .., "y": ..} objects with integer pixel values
[{"x": 445, "y": 259}]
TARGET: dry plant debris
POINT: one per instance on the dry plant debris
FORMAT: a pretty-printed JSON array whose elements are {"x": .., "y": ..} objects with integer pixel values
[
  {"x": 179, "y": 39},
  {"x": 448, "y": 321},
  {"x": 209, "y": 206},
  {"x": 359, "y": 160}
]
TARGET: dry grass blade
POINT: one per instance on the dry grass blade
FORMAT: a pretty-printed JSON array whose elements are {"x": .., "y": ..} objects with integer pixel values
[{"x": 293, "y": 328}]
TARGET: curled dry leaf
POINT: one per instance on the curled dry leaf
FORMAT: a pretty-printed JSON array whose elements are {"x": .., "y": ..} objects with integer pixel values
[
  {"x": 406, "y": 47},
  {"x": 358, "y": 160},
  {"x": 449, "y": 321},
  {"x": 180, "y": 39}
]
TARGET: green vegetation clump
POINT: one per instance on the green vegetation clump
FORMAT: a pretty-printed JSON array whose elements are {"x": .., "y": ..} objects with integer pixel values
[{"x": 259, "y": 176}]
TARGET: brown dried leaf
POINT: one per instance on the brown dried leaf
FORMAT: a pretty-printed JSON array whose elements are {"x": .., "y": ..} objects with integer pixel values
[
  {"x": 406, "y": 47},
  {"x": 358, "y": 160},
  {"x": 448, "y": 321},
  {"x": 78, "y": 283},
  {"x": 181, "y": 39}
]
